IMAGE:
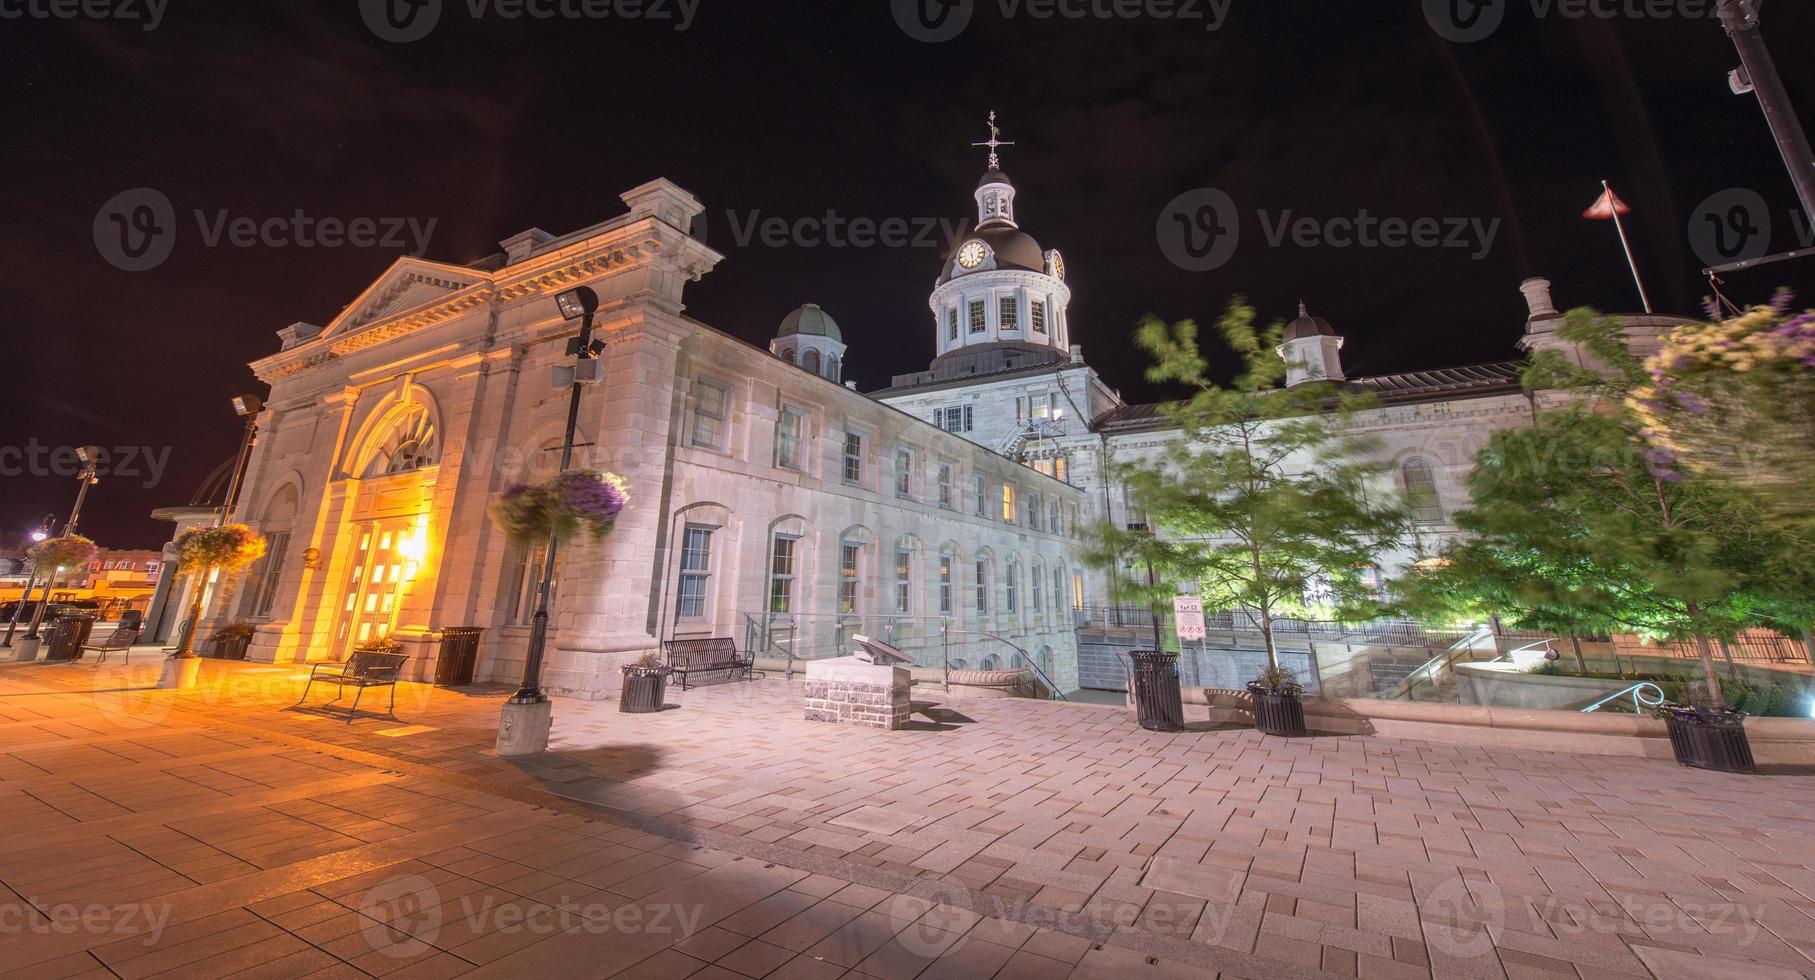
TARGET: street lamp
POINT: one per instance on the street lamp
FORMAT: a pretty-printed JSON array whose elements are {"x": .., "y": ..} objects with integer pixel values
[
  {"x": 247, "y": 407},
  {"x": 90, "y": 457},
  {"x": 44, "y": 530},
  {"x": 524, "y": 723},
  {"x": 1758, "y": 74}
]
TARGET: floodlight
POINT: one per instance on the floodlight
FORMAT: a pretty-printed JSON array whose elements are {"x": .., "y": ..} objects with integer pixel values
[
  {"x": 578, "y": 302},
  {"x": 248, "y": 404}
]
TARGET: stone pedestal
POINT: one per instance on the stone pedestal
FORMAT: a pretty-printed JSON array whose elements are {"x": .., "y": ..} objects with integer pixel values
[
  {"x": 523, "y": 728},
  {"x": 25, "y": 649},
  {"x": 849, "y": 691}
]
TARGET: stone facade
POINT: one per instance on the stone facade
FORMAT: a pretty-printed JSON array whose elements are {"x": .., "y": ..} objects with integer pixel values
[
  {"x": 849, "y": 691},
  {"x": 768, "y": 504}
]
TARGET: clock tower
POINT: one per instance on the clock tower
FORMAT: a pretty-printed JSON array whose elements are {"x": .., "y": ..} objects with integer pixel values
[{"x": 1000, "y": 300}]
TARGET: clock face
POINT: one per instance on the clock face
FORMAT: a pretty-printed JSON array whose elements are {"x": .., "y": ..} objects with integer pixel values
[
  {"x": 1058, "y": 264},
  {"x": 972, "y": 254}
]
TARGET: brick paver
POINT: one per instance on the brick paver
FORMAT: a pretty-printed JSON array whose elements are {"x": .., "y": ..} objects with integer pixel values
[{"x": 995, "y": 838}]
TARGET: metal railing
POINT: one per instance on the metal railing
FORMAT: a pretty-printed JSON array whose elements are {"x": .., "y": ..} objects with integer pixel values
[
  {"x": 803, "y": 638},
  {"x": 1641, "y": 698}
]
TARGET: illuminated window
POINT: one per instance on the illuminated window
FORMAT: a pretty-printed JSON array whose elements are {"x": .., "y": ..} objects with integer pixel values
[
  {"x": 945, "y": 584},
  {"x": 1011, "y": 313},
  {"x": 410, "y": 444},
  {"x": 1008, "y": 503},
  {"x": 979, "y": 316},
  {"x": 1036, "y": 313},
  {"x": 848, "y": 554}
]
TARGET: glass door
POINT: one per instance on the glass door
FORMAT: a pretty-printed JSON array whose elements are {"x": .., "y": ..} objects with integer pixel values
[{"x": 369, "y": 608}]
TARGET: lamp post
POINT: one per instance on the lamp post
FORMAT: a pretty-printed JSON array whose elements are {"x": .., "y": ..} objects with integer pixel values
[
  {"x": 89, "y": 456},
  {"x": 524, "y": 723},
  {"x": 44, "y": 531},
  {"x": 247, "y": 407},
  {"x": 1739, "y": 18}
]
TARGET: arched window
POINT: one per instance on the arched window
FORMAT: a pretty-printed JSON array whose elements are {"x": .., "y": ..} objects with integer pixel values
[
  {"x": 832, "y": 367},
  {"x": 410, "y": 444},
  {"x": 810, "y": 361},
  {"x": 1421, "y": 490},
  {"x": 786, "y": 354}
]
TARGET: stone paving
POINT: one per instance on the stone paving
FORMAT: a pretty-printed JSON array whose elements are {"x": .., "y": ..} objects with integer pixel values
[{"x": 994, "y": 838}]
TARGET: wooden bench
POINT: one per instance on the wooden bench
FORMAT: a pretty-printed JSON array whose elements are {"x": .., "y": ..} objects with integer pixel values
[
  {"x": 364, "y": 669},
  {"x": 122, "y": 638},
  {"x": 710, "y": 657}
]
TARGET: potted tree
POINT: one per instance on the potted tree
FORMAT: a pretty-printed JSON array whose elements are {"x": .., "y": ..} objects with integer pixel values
[
  {"x": 1279, "y": 707},
  {"x": 205, "y": 552},
  {"x": 645, "y": 686}
]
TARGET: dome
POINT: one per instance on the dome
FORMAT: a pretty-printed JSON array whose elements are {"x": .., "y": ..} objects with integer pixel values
[
  {"x": 994, "y": 177},
  {"x": 1308, "y": 326},
  {"x": 811, "y": 321},
  {"x": 1011, "y": 247}
]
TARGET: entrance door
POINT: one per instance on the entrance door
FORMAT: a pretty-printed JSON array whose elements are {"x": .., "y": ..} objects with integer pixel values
[{"x": 375, "y": 583}]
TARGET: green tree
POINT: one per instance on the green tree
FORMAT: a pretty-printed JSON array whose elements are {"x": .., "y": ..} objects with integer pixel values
[
  {"x": 1582, "y": 506},
  {"x": 1264, "y": 505}
]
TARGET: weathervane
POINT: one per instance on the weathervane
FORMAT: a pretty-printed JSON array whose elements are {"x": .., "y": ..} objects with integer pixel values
[{"x": 995, "y": 142}]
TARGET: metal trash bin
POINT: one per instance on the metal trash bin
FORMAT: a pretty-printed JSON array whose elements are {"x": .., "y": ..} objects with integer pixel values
[
  {"x": 459, "y": 656},
  {"x": 1158, "y": 703},
  {"x": 67, "y": 636}
]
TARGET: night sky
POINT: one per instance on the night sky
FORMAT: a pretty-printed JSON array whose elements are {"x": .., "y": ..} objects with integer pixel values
[{"x": 490, "y": 125}]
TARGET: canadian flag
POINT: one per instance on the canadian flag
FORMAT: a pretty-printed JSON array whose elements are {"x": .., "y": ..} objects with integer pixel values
[{"x": 1607, "y": 208}]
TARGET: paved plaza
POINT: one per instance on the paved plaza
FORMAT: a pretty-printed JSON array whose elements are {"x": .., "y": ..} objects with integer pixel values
[{"x": 213, "y": 833}]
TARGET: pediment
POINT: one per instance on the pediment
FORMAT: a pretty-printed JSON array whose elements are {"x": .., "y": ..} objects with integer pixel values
[{"x": 409, "y": 284}]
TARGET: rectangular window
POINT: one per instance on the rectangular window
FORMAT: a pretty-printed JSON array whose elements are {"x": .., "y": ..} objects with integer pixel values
[
  {"x": 904, "y": 473},
  {"x": 1077, "y": 590},
  {"x": 1037, "y": 586},
  {"x": 904, "y": 565},
  {"x": 696, "y": 569},
  {"x": 1052, "y": 514},
  {"x": 711, "y": 405},
  {"x": 982, "y": 498},
  {"x": 1058, "y": 589},
  {"x": 1061, "y": 471},
  {"x": 847, "y": 576},
  {"x": 1010, "y": 582},
  {"x": 982, "y": 585},
  {"x": 951, "y": 323},
  {"x": 1011, "y": 313},
  {"x": 788, "y": 429},
  {"x": 945, "y": 584},
  {"x": 264, "y": 581},
  {"x": 1036, "y": 313},
  {"x": 954, "y": 419},
  {"x": 945, "y": 485},
  {"x": 1008, "y": 503},
  {"x": 1040, "y": 406},
  {"x": 853, "y": 457},
  {"x": 979, "y": 316},
  {"x": 524, "y": 583},
  {"x": 781, "y": 575},
  {"x": 1033, "y": 512}
]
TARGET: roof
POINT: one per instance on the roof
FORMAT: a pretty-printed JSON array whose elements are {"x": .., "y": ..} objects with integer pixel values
[
  {"x": 1011, "y": 247},
  {"x": 811, "y": 321},
  {"x": 1442, "y": 384}
]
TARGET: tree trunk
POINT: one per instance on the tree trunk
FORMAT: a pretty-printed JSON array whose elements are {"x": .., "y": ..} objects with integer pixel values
[
  {"x": 1266, "y": 633},
  {"x": 187, "y": 648},
  {"x": 1808, "y": 642},
  {"x": 1581, "y": 662},
  {"x": 1709, "y": 673}
]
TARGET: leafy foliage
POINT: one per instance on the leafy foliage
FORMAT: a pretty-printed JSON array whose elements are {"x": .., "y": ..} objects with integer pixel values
[
  {"x": 228, "y": 548},
  {"x": 574, "y": 501},
  {"x": 70, "y": 551},
  {"x": 1263, "y": 505}
]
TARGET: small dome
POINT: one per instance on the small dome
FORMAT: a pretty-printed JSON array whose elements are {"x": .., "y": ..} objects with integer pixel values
[
  {"x": 811, "y": 321},
  {"x": 994, "y": 177},
  {"x": 1308, "y": 326}
]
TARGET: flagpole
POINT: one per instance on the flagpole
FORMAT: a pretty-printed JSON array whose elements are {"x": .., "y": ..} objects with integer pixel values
[{"x": 1644, "y": 297}]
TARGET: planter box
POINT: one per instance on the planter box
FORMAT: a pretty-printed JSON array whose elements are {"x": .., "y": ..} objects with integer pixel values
[
  {"x": 231, "y": 647},
  {"x": 1276, "y": 714},
  {"x": 644, "y": 692},
  {"x": 1721, "y": 748}
]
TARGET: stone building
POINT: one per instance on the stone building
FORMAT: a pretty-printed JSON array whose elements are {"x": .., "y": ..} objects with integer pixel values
[{"x": 771, "y": 502}]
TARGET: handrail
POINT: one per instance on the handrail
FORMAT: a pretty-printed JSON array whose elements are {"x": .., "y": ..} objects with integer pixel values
[
  {"x": 1057, "y": 695},
  {"x": 761, "y": 638},
  {"x": 1639, "y": 701},
  {"x": 1430, "y": 668}
]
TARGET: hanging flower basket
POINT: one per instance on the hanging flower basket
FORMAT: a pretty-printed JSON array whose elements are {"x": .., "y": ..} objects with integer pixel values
[
  {"x": 228, "y": 548},
  {"x": 68, "y": 552},
  {"x": 575, "y": 501}
]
